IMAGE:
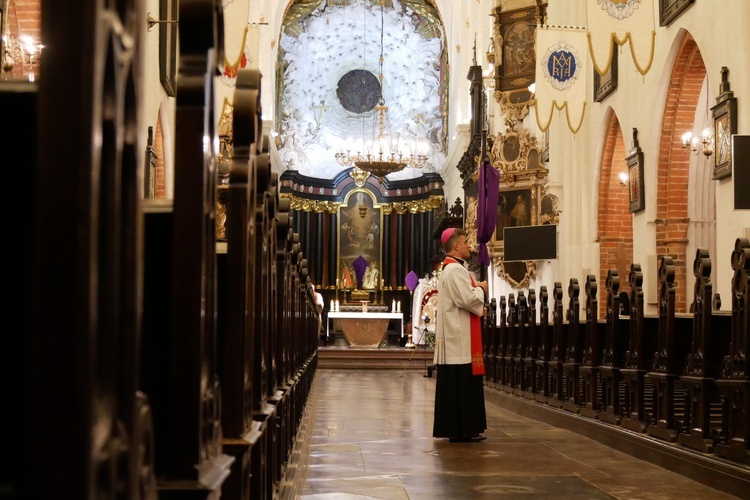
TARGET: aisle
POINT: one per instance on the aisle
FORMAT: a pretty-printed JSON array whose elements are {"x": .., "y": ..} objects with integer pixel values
[{"x": 371, "y": 437}]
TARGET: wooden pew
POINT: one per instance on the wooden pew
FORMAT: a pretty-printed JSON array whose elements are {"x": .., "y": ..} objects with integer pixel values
[
  {"x": 522, "y": 332},
  {"x": 642, "y": 343},
  {"x": 573, "y": 350},
  {"x": 491, "y": 340},
  {"x": 613, "y": 354},
  {"x": 557, "y": 355},
  {"x": 502, "y": 343},
  {"x": 669, "y": 360},
  {"x": 541, "y": 379},
  {"x": 510, "y": 345},
  {"x": 734, "y": 383},
  {"x": 181, "y": 337},
  {"x": 529, "y": 357},
  {"x": 712, "y": 333},
  {"x": 236, "y": 268},
  {"x": 592, "y": 350}
]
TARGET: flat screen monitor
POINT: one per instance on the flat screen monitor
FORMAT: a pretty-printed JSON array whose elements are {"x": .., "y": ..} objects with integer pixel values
[{"x": 530, "y": 242}]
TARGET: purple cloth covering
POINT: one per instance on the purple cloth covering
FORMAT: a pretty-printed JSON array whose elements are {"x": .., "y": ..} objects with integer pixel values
[
  {"x": 412, "y": 280},
  {"x": 359, "y": 265},
  {"x": 489, "y": 189}
]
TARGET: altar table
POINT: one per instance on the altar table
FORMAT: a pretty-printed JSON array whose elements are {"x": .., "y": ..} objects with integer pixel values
[{"x": 364, "y": 329}]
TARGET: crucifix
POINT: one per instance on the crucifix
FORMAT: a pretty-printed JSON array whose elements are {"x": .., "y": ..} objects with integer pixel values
[{"x": 321, "y": 108}]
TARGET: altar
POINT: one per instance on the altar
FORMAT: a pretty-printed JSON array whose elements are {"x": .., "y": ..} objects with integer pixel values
[{"x": 364, "y": 329}]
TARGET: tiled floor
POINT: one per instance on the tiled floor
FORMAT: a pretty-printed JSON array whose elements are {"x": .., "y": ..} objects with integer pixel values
[{"x": 370, "y": 437}]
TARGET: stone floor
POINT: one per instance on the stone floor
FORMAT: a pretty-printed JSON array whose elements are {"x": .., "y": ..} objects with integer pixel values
[{"x": 369, "y": 436}]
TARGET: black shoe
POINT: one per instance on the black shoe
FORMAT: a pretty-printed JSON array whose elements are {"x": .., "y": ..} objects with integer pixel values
[{"x": 471, "y": 439}]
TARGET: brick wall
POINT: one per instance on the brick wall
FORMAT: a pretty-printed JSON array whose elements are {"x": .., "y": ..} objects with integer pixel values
[
  {"x": 672, "y": 220},
  {"x": 615, "y": 224},
  {"x": 25, "y": 18}
]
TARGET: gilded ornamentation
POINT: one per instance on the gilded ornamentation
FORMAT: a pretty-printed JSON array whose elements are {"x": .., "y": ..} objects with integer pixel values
[
  {"x": 513, "y": 111},
  {"x": 517, "y": 274},
  {"x": 516, "y": 154},
  {"x": 360, "y": 176},
  {"x": 471, "y": 223},
  {"x": 400, "y": 207},
  {"x": 549, "y": 212},
  {"x": 221, "y": 214}
]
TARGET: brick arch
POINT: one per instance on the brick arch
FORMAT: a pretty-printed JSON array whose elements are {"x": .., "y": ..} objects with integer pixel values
[
  {"x": 615, "y": 222},
  {"x": 673, "y": 168}
]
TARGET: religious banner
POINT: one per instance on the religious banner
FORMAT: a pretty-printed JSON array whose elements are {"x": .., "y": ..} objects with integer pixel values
[
  {"x": 621, "y": 21},
  {"x": 236, "y": 32},
  {"x": 561, "y": 75}
]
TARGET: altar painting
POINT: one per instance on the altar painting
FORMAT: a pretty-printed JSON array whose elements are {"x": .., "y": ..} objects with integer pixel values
[{"x": 360, "y": 220}]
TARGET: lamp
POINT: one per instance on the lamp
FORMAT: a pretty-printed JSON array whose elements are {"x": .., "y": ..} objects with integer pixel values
[
  {"x": 704, "y": 143},
  {"x": 624, "y": 177},
  {"x": 22, "y": 50},
  {"x": 380, "y": 156}
]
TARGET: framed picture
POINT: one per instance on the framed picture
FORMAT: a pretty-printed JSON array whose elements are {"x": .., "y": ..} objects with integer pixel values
[
  {"x": 517, "y": 70},
  {"x": 607, "y": 83},
  {"x": 168, "y": 45},
  {"x": 635, "y": 176},
  {"x": 513, "y": 209},
  {"x": 360, "y": 219},
  {"x": 669, "y": 10},
  {"x": 725, "y": 125}
]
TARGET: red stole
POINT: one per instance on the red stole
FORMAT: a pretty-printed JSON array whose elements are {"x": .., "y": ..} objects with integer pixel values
[{"x": 477, "y": 354}]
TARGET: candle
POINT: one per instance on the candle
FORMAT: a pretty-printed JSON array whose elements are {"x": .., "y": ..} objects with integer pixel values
[
  {"x": 382, "y": 283},
  {"x": 337, "y": 282},
  {"x": 393, "y": 305},
  {"x": 337, "y": 305},
  {"x": 330, "y": 308},
  {"x": 398, "y": 306}
]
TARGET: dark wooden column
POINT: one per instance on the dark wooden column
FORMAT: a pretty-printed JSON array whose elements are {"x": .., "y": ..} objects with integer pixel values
[
  {"x": 413, "y": 246},
  {"x": 305, "y": 234},
  {"x": 333, "y": 248},
  {"x": 385, "y": 233},
  {"x": 317, "y": 264},
  {"x": 400, "y": 252}
]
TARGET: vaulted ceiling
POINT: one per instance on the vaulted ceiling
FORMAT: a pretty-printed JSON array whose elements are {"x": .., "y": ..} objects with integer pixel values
[{"x": 328, "y": 81}]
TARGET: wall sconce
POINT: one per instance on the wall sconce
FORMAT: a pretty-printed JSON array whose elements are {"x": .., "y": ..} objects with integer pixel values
[
  {"x": 22, "y": 50},
  {"x": 704, "y": 143},
  {"x": 624, "y": 177}
]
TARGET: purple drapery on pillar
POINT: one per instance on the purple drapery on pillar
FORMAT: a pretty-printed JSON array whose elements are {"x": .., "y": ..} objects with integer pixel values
[{"x": 488, "y": 191}]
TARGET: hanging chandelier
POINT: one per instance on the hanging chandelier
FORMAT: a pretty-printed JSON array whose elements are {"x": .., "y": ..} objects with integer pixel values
[
  {"x": 704, "y": 142},
  {"x": 381, "y": 155}
]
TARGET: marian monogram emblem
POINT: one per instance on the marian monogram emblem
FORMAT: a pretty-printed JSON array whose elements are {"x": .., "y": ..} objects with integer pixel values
[
  {"x": 619, "y": 9},
  {"x": 561, "y": 65}
]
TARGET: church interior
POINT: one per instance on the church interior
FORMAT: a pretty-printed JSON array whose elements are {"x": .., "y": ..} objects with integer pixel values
[{"x": 237, "y": 204}]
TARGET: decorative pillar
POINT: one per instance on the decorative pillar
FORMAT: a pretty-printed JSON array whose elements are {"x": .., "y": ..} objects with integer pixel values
[
  {"x": 317, "y": 262},
  {"x": 305, "y": 235},
  {"x": 413, "y": 244},
  {"x": 385, "y": 234},
  {"x": 400, "y": 254},
  {"x": 424, "y": 247},
  {"x": 333, "y": 248}
]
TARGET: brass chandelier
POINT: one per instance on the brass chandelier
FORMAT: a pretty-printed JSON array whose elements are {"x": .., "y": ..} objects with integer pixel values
[{"x": 378, "y": 157}]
